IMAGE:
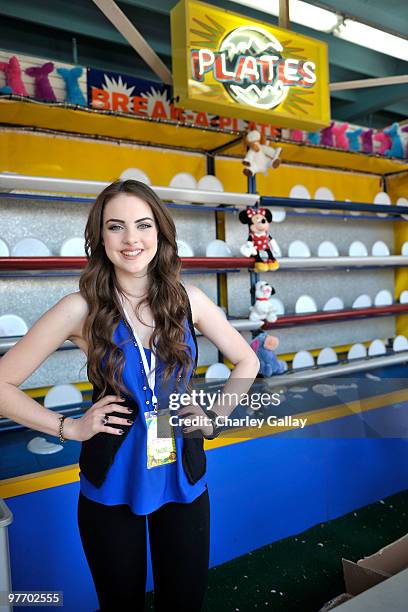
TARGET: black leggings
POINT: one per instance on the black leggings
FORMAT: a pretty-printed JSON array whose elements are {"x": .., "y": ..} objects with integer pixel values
[{"x": 114, "y": 542}]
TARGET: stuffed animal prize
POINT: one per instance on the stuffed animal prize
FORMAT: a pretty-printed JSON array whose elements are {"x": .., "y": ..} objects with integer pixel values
[
  {"x": 260, "y": 155},
  {"x": 263, "y": 309},
  {"x": 264, "y": 346},
  {"x": 259, "y": 244}
]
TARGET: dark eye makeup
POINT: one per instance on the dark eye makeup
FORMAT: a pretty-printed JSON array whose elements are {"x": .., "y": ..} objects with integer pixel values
[{"x": 141, "y": 226}]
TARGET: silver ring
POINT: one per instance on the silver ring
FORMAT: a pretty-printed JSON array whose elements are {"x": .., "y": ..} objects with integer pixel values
[{"x": 105, "y": 420}]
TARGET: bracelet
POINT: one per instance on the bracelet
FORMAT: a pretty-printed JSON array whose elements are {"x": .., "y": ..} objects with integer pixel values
[
  {"x": 61, "y": 437},
  {"x": 216, "y": 428}
]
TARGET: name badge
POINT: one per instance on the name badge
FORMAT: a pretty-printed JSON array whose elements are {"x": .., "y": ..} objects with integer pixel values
[{"x": 161, "y": 445}]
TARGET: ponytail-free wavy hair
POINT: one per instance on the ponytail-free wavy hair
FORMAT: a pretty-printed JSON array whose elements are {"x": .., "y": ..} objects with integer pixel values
[{"x": 165, "y": 296}]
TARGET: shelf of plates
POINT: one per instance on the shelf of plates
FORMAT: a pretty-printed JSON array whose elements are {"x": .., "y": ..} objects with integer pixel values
[
  {"x": 312, "y": 272},
  {"x": 345, "y": 281}
]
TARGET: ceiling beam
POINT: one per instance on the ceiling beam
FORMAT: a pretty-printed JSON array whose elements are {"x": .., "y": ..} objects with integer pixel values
[
  {"x": 383, "y": 15},
  {"x": 368, "y": 103},
  {"x": 81, "y": 17},
  {"x": 363, "y": 83},
  {"x": 130, "y": 33}
]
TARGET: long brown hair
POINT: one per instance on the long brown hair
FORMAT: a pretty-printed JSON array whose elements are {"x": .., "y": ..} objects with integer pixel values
[{"x": 166, "y": 296}]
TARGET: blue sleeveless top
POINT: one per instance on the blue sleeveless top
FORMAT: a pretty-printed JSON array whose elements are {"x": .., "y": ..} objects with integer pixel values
[{"x": 128, "y": 480}]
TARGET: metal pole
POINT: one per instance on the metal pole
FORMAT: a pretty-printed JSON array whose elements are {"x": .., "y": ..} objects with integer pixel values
[{"x": 284, "y": 21}]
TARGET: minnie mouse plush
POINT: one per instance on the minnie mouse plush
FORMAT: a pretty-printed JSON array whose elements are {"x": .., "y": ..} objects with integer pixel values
[{"x": 259, "y": 242}]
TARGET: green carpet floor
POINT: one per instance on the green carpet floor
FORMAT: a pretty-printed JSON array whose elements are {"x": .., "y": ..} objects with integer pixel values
[{"x": 303, "y": 572}]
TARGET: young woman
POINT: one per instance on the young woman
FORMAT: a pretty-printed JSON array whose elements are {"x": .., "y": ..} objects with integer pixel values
[{"x": 135, "y": 322}]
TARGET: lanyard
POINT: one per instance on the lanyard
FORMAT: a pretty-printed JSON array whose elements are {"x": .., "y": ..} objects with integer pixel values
[{"x": 150, "y": 373}]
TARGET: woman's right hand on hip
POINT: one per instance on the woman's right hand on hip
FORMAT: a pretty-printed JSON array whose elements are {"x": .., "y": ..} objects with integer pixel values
[{"x": 91, "y": 422}]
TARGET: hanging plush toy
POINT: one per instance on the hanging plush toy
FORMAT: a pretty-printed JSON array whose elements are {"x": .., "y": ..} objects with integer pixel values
[
  {"x": 396, "y": 149},
  {"x": 14, "y": 81},
  {"x": 354, "y": 139},
  {"x": 326, "y": 135},
  {"x": 260, "y": 155},
  {"x": 313, "y": 138},
  {"x": 367, "y": 140},
  {"x": 340, "y": 139},
  {"x": 42, "y": 87},
  {"x": 297, "y": 135},
  {"x": 74, "y": 94},
  {"x": 259, "y": 244},
  {"x": 264, "y": 308},
  {"x": 384, "y": 141},
  {"x": 264, "y": 346}
]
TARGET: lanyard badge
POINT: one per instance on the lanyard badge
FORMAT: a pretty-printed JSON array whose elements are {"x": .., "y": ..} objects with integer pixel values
[{"x": 160, "y": 450}]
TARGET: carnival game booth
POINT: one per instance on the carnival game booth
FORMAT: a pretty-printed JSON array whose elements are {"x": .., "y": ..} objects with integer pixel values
[
  {"x": 344, "y": 354},
  {"x": 336, "y": 441}
]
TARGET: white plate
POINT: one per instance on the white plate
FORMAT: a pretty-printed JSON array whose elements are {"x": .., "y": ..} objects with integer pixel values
[
  {"x": 400, "y": 344},
  {"x": 41, "y": 446},
  {"x": 62, "y": 395},
  {"x": 403, "y": 298},
  {"x": 355, "y": 213},
  {"x": 358, "y": 249},
  {"x": 325, "y": 390},
  {"x": 380, "y": 249},
  {"x": 217, "y": 371},
  {"x": 12, "y": 325},
  {"x": 298, "y": 248},
  {"x": 404, "y": 249},
  {"x": 300, "y": 192},
  {"x": 184, "y": 249},
  {"x": 4, "y": 249},
  {"x": 363, "y": 301},
  {"x": 383, "y": 298},
  {"x": 403, "y": 202},
  {"x": 210, "y": 183},
  {"x": 327, "y": 249},
  {"x": 335, "y": 303},
  {"x": 73, "y": 247},
  {"x": 303, "y": 359},
  {"x": 384, "y": 199},
  {"x": 373, "y": 377},
  {"x": 183, "y": 180},
  {"x": 357, "y": 351},
  {"x": 30, "y": 247},
  {"x": 278, "y": 215},
  {"x": 277, "y": 305},
  {"x": 324, "y": 193},
  {"x": 218, "y": 248},
  {"x": 136, "y": 175},
  {"x": 305, "y": 303},
  {"x": 327, "y": 355},
  {"x": 377, "y": 347}
]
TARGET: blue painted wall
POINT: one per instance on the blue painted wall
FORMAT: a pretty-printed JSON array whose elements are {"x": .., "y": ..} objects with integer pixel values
[{"x": 261, "y": 490}]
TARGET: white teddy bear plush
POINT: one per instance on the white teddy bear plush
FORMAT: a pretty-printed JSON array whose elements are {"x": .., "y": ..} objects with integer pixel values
[
  {"x": 260, "y": 156},
  {"x": 263, "y": 309}
]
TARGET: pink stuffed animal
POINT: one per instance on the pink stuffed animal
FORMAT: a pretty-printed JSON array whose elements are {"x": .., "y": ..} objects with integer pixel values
[
  {"x": 297, "y": 135},
  {"x": 42, "y": 86},
  {"x": 340, "y": 138},
  {"x": 12, "y": 71},
  {"x": 385, "y": 142}
]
